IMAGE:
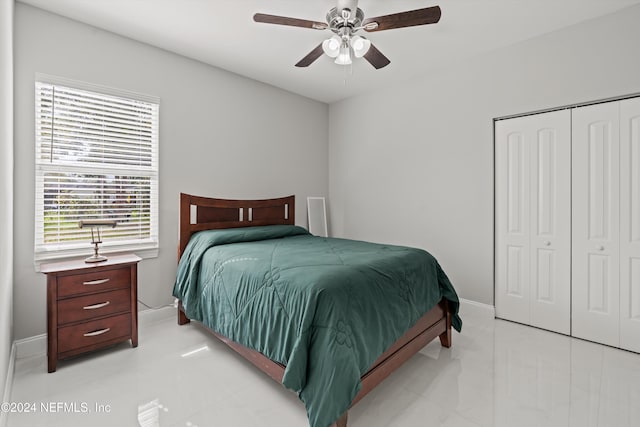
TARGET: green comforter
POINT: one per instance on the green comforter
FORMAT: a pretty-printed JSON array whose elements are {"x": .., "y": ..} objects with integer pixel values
[{"x": 326, "y": 308}]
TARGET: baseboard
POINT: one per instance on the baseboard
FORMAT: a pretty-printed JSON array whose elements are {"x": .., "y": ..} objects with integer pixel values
[
  {"x": 31, "y": 346},
  {"x": 6, "y": 394},
  {"x": 477, "y": 308},
  {"x": 157, "y": 314}
]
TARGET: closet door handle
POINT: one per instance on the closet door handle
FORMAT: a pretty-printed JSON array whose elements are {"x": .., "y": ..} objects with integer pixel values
[
  {"x": 547, "y": 243},
  {"x": 600, "y": 248}
]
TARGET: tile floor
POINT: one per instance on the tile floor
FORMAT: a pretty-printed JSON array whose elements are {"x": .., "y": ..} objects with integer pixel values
[{"x": 497, "y": 374}]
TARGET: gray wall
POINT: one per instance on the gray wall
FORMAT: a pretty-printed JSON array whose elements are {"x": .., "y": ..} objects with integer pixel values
[
  {"x": 418, "y": 169},
  {"x": 220, "y": 135},
  {"x": 6, "y": 187}
]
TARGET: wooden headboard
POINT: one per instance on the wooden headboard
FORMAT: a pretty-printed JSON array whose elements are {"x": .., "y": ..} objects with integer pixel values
[{"x": 204, "y": 213}]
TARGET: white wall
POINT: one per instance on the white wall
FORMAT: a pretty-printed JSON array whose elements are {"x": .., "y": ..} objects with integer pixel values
[
  {"x": 220, "y": 135},
  {"x": 418, "y": 167},
  {"x": 6, "y": 188}
]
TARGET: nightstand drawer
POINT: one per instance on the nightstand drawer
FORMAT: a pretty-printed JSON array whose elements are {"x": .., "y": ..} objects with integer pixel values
[
  {"x": 94, "y": 305},
  {"x": 93, "y": 281},
  {"x": 92, "y": 333}
]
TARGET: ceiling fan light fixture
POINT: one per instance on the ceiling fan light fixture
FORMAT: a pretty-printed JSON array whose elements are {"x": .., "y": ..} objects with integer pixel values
[
  {"x": 344, "y": 57},
  {"x": 360, "y": 46},
  {"x": 332, "y": 46},
  {"x": 345, "y": 20}
]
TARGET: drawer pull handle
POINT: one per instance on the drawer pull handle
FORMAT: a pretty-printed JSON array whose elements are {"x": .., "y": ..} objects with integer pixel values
[
  {"x": 100, "y": 332},
  {"x": 96, "y": 282},
  {"x": 95, "y": 306}
]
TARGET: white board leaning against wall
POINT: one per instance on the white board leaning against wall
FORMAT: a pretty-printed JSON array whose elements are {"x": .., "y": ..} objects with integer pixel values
[{"x": 317, "y": 216}]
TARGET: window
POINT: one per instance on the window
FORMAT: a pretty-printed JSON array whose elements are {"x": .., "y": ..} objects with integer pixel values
[{"x": 96, "y": 158}]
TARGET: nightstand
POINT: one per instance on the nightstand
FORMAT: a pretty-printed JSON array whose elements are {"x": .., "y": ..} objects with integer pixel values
[{"x": 90, "y": 306}]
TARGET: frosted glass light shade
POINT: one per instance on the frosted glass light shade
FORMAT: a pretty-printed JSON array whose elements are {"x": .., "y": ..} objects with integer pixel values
[
  {"x": 344, "y": 57},
  {"x": 332, "y": 46},
  {"x": 360, "y": 46}
]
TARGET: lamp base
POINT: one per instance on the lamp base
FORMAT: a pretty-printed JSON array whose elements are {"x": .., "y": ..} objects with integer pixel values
[{"x": 96, "y": 258}]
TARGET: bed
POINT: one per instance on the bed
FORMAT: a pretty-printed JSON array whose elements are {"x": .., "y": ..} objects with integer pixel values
[{"x": 328, "y": 318}]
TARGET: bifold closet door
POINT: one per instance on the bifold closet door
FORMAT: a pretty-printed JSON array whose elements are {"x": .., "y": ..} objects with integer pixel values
[
  {"x": 630, "y": 224},
  {"x": 596, "y": 219},
  {"x": 533, "y": 214}
]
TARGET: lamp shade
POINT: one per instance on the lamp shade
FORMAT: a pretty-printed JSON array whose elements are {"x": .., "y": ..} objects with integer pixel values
[
  {"x": 344, "y": 57},
  {"x": 332, "y": 46},
  {"x": 360, "y": 46}
]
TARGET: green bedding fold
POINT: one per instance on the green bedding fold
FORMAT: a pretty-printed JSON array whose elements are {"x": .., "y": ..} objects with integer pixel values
[{"x": 326, "y": 308}]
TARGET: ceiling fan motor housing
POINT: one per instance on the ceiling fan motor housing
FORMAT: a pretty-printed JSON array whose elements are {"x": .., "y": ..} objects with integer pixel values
[{"x": 337, "y": 22}]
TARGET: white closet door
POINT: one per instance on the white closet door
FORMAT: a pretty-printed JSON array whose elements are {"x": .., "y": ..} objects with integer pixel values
[
  {"x": 512, "y": 221},
  {"x": 630, "y": 224},
  {"x": 533, "y": 220},
  {"x": 595, "y": 218},
  {"x": 551, "y": 222}
]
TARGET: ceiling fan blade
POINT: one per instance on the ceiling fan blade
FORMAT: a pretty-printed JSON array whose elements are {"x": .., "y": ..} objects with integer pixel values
[
  {"x": 311, "y": 57},
  {"x": 428, "y": 15},
  {"x": 294, "y": 22},
  {"x": 376, "y": 58}
]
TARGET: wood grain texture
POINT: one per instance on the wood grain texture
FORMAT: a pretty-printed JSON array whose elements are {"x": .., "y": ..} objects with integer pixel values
[
  {"x": 133, "y": 269},
  {"x": 52, "y": 323},
  {"x": 78, "y": 338},
  {"x": 445, "y": 338},
  {"x": 292, "y": 22},
  {"x": 90, "y": 306},
  {"x": 376, "y": 58},
  {"x": 93, "y": 305},
  {"x": 99, "y": 280},
  {"x": 411, "y": 18},
  {"x": 266, "y": 212}
]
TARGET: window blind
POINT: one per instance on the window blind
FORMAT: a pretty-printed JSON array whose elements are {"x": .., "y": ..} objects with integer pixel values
[{"x": 96, "y": 158}]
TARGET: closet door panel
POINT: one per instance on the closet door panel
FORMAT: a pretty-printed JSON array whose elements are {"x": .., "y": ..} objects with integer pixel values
[
  {"x": 630, "y": 224},
  {"x": 595, "y": 222},
  {"x": 512, "y": 222},
  {"x": 551, "y": 222},
  {"x": 533, "y": 220}
]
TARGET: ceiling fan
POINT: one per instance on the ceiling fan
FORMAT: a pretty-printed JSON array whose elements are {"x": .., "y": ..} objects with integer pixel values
[{"x": 345, "y": 20}]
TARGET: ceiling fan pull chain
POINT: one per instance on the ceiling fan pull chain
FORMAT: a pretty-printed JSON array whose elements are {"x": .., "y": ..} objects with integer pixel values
[{"x": 344, "y": 75}]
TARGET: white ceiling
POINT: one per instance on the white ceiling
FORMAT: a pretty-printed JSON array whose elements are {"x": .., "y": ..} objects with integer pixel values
[{"x": 223, "y": 34}]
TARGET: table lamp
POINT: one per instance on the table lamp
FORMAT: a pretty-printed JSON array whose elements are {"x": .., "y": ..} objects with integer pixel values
[{"x": 95, "y": 225}]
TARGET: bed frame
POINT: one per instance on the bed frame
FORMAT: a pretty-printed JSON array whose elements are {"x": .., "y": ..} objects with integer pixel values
[{"x": 202, "y": 213}]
